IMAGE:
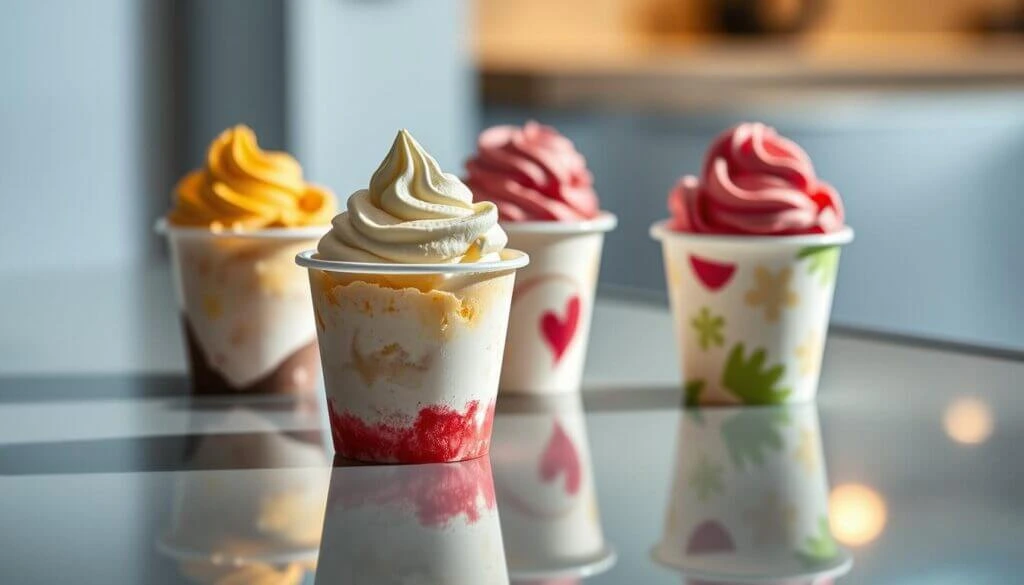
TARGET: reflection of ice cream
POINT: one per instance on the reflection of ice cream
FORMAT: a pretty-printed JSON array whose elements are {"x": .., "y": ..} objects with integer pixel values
[
  {"x": 413, "y": 524},
  {"x": 234, "y": 230},
  {"x": 751, "y": 257},
  {"x": 549, "y": 511},
  {"x": 548, "y": 206},
  {"x": 262, "y": 521},
  {"x": 412, "y": 360},
  {"x": 758, "y": 183},
  {"x": 750, "y": 499}
]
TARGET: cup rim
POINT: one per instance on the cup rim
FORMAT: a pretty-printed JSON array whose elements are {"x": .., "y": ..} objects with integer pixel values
[
  {"x": 582, "y": 568},
  {"x": 661, "y": 232},
  {"x": 839, "y": 566},
  {"x": 604, "y": 222},
  {"x": 164, "y": 227},
  {"x": 510, "y": 260},
  {"x": 171, "y": 548}
]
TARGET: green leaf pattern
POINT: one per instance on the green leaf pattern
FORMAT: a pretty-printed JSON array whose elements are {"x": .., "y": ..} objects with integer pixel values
[
  {"x": 706, "y": 478},
  {"x": 709, "y": 328},
  {"x": 818, "y": 548},
  {"x": 750, "y": 380},
  {"x": 822, "y": 261},
  {"x": 692, "y": 392},
  {"x": 748, "y": 436}
]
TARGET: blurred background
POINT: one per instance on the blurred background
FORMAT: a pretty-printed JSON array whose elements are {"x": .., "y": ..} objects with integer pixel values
[{"x": 913, "y": 109}]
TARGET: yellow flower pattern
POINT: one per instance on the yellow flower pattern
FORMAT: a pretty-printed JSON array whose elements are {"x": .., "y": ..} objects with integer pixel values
[
  {"x": 808, "y": 354},
  {"x": 807, "y": 451},
  {"x": 771, "y": 291}
]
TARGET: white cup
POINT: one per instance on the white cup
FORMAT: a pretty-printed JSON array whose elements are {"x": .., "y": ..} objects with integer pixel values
[
  {"x": 433, "y": 523},
  {"x": 550, "y": 517},
  {"x": 552, "y": 304},
  {"x": 751, "y": 313},
  {"x": 749, "y": 500},
  {"x": 245, "y": 309},
  {"x": 411, "y": 354}
]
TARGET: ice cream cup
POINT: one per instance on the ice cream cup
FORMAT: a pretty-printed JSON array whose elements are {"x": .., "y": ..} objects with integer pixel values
[
  {"x": 751, "y": 313},
  {"x": 412, "y": 354},
  {"x": 261, "y": 511},
  {"x": 553, "y": 303},
  {"x": 550, "y": 519},
  {"x": 245, "y": 309},
  {"x": 433, "y": 523},
  {"x": 749, "y": 501}
]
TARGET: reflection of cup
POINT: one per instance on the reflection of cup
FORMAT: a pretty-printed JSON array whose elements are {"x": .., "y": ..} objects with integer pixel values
[
  {"x": 251, "y": 506},
  {"x": 412, "y": 355},
  {"x": 553, "y": 303},
  {"x": 751, "y": 313},
  {"x": 750, "y": 499},
  {"x": 412, "y": 524},
  {"x": 245, "y": 309},
  {"x": 549, "y": 511}
]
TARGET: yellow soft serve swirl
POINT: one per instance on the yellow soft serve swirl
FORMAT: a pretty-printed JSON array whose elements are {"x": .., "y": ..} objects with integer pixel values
[
  {"x": 413, "y": 213},
  {"x": 245, "y": 188}
]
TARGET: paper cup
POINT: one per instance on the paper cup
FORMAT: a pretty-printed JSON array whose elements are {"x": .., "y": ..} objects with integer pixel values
[
  {"x": 412, "y": 355},
  {"x": 245, "y": 310},
  {"x": 552, "y": 304},
  {"x": 251, "y": 505},
  {"x": 751, "y": 313},
  {"x": 413, "y": 524},
  {"x": 749, "y": 502},
  {"x": 550, "y": 518}
]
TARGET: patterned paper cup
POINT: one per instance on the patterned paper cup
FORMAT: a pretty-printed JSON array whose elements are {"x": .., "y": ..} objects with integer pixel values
[
  {"x": 751, "y": 313},
  {"x": 411, "y": 355},
  {"x": 245, "y": 310},
  {"x": 545, "y": 481},
  {"x": 413, "y": 524},
  {"x": 749, "y": 502},
  {"x": 552, "y": 304}
]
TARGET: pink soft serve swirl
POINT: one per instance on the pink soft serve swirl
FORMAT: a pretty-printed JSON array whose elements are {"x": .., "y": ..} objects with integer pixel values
[
  {"x": 532, "y": 173},
  {"x": 755, "y": 182}
]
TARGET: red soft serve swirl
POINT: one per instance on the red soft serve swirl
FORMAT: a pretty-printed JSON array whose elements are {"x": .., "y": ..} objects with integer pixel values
[
  {"x": 755, "y": 182},
  {"x": 532, "y": 173}
]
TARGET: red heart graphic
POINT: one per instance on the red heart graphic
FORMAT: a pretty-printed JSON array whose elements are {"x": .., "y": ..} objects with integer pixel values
[
  {"x": 710, "y": 537},
  {"x": 560, "y": 457},
  {"x": 559, "y": 333},
  {"x": 713, "y": 274}
]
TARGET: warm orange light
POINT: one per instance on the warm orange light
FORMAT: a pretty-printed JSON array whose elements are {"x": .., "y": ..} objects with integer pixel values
[
  {"x": 857, "y": 514},
  {"x": 968, "y": 421}
]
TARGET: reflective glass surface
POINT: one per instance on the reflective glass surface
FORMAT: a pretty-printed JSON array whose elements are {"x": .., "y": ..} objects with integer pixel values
[{"x": 905, "y": 471}]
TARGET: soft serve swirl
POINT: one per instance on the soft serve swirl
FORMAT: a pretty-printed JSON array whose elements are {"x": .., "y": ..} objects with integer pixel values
[
  {"x": 245, "y": 188},
  {"x": 413, "y": 213},
  {"x": 755, "y": 182}
]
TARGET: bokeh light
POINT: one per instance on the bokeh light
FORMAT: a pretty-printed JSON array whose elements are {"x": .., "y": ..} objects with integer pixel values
[
  {"x": 857, "y": 514},
  {"x": 968, "y": 421}
]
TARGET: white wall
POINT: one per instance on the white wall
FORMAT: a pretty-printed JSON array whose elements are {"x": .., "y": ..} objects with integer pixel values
[
  {"x": 359, "y": 71},
  {"x": 82, "y": 130}
]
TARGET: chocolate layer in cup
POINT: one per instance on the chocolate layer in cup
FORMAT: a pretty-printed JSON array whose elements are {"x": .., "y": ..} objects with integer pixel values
[
  {"x": 297, "y": 374},
  {"x": 246, "y": 318}
]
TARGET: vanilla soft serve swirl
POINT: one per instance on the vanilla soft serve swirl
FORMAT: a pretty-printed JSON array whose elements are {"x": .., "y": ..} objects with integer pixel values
[{"x": 413, "y": 213}]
